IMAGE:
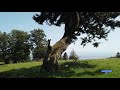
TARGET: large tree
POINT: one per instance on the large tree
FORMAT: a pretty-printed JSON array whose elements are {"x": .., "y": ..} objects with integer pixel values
[
  {"x": 96, "y": 25},
  {"x": 38, "y": 43},
  {"x": 4, "y": 47},
  {"x": 19, "y": 43}
]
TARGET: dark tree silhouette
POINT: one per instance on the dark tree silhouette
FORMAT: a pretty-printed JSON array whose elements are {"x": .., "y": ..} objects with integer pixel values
[
  {"x": 5, "y": 51},
  {"x": 73, "y": 56},
  {"x": 94, "y": 24},
  {"x": 65, "y": 56},
  {"x": 118, "y": 55}
]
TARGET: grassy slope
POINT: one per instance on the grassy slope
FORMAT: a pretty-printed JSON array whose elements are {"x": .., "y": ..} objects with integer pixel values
[{"x": 80, "y": 69}]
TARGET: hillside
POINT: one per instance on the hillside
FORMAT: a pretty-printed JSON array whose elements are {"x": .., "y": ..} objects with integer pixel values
[{"x": 80, "y": 69}]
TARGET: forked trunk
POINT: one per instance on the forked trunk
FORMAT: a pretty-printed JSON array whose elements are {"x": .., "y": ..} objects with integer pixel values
[{"x": 50, "y": 62}]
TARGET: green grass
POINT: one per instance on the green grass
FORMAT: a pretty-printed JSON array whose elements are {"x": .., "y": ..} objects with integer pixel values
[{"x": 80, "y": 69}]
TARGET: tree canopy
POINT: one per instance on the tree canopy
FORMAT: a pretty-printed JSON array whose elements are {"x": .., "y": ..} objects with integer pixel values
[
  {"x": 39, "y": 43},
  {"x": 4, "y": 47},
  {"x": 96, "y": 25},
  {"x": 19, "y": 45},
  {"x": 16, "y": 45}
]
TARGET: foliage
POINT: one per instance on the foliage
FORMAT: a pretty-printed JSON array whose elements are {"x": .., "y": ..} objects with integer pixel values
[
  {"x": 22, "y": 43},
  {"x": 96, "y": 25},
  {"x": 38, "y": 43},
  {"x": 118, "y": 55},
  {"x": 37, "y": 37},
  {"x": 16, "y": 45},
  {"x": 4, "y": 47},
  {"x": 65, "y": 56},
  {"x": 39, "y": 53},
  {"x": 19, "y": 45},
  {"x": 73, "y": 55}
]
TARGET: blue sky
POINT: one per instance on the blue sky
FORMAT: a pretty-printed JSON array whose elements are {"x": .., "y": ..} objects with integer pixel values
[{"x": 24, "y": 21}]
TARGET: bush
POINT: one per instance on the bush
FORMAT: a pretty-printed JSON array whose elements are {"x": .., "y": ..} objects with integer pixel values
[
  {"x": 73, "y": 55},
  {"x": 118, "y": 55},
  {"x": 65, "y": 56}
]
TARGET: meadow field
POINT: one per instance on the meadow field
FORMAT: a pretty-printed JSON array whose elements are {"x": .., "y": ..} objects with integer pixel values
[{"x": 68, "y": 69}]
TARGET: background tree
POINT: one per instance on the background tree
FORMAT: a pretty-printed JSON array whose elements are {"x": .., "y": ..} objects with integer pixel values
[
  {"x": 19, "y": 42},
  {"x": 1, "y": 45},
  {"x": 118, "y": 55},
  {"x": 39, "y": 52},
  {"x": 96, "y": 25},
  {"x": 65, "y": 56},
  {"x": 73, "y": 55},
  {"x": 4, "y": 47},
  {"x": 39, "y": 43}
]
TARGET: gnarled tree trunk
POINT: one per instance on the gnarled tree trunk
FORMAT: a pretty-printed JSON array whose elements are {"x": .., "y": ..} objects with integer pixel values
[{"x": 50, "y": 62}]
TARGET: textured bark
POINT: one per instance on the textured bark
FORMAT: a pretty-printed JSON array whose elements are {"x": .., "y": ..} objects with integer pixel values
[{"x": 50, "y": 62}]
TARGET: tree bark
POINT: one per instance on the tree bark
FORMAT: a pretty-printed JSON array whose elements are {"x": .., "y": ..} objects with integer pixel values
[{"x": 50, "y": 62}]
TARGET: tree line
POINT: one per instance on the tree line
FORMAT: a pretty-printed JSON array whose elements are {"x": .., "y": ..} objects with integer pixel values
[{"x": 17, "y": 45}]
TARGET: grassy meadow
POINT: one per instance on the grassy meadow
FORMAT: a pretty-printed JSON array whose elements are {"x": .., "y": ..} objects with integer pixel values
[{"x": 68, "y": 69}]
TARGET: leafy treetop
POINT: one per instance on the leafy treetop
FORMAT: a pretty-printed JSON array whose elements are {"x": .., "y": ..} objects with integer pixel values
[{"x": 96, "y": 25}]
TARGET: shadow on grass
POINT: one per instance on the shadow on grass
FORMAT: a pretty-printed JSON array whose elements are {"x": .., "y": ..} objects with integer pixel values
[
  {"x": 2, "y": 64},
  {"x": 35, "y": 72},
  {"x": 83, "y": 64},
  {"x": 89, "y": 73}
]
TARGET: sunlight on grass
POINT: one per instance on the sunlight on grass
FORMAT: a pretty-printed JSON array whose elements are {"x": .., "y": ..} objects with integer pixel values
[
  {"x": 68, "y": 69},
  {"x": 8, "y": 67}
]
